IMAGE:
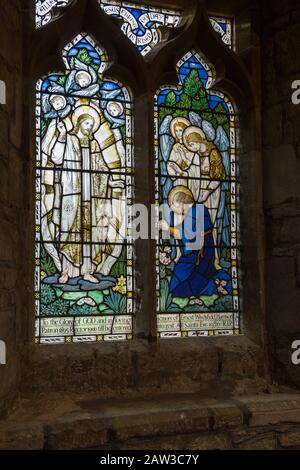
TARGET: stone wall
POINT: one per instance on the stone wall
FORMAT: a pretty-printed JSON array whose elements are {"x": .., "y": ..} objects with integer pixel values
[
  {"x": 182, "y": 422},
  {"x": 281, "y": 139},
  {"x": 11, "y": 163}
]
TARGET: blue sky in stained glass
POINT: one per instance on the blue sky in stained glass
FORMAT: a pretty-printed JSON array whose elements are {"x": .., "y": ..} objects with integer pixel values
[
  {"x": 84, "y": 44},
  {"x": 192, "y": 63}
]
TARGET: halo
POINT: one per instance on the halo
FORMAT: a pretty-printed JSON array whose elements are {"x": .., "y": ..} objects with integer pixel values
[
  {"x": 86, "y": 74},
  {"x": 52, "y": 97},
  {"x": 89, "y": 111},
  {"x": 176, "y": 190},
  {"x": 116, "y": 103},
  {"x": 192, "y": 130},
  {"x": 176, "y": 121}
]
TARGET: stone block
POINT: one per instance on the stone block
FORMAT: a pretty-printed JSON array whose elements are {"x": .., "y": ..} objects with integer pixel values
[
  {"x": 271, "y": 410},
  {"x": 212, "y": 441},
  {"x": 26, "y": 437},
  {"x": 261, "y": 442},
  {"x": 273, "y": 126},
  {"x": 290, "y": 439},
  {"x": 226, "y": 416},
  {"x": 281, "y": 165}
]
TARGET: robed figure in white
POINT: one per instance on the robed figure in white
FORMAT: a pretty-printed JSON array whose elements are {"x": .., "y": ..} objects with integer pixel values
[{"x": 82, "y": 190}]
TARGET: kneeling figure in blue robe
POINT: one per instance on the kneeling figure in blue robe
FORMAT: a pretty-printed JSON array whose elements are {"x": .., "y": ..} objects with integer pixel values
[{"x": 195, "y": 273}]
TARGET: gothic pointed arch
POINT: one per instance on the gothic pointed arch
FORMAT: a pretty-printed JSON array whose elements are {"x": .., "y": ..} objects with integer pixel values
[
  {"x": 195, "y": 153},
  {"x": 84, "y": 172}
]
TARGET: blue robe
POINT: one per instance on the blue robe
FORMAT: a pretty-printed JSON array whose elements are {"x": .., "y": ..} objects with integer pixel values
[{"x": 195, "y": 273}]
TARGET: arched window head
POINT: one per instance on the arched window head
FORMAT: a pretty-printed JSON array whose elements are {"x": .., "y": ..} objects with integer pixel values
[
  {"x": 84, "y": 256},
  {"x": 140, "y": 23},
  {"x": 224, "y": 27},
  {"x": 196, "y": 191},
  {"x": 48, "y": 10}
]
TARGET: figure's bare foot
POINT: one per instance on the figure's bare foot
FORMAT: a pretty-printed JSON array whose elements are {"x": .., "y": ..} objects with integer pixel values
[
  {"x": 196, "y": 302},
  {"x": 90, "y": 278},
  {"x": 222, "y": 291},
  {"x": 63, "y": 278},
  {"x": 218, "y": 266}
]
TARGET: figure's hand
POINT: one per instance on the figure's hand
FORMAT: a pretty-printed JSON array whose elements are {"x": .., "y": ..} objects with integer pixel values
[
  {"x": 172, "y": 167},
  {"x": 117, "y": 184},
  {"x": 181, "y": 153},
  {"x": 163, "y": 225},
  {"x": 175, "y": 169},
  {"x": 61, "y": 130}
]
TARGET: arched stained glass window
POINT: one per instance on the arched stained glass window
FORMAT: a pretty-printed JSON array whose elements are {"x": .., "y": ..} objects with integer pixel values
[
  {"x": 84, "y": 190},
  {"x": 84, "y": 254},
  {"x": 197, "y": 192}
]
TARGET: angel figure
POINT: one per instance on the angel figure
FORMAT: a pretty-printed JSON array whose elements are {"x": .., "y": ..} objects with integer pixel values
[
  {"x": 212, "y": 173},
  {"x": 82, "y": 81}
]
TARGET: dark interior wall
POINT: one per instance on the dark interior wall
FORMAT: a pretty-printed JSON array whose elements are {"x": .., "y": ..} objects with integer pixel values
[
  {"x": 10, "y": 198},
  {"x": 281, "y": 139},
  {"x": 16, "y": 310}
]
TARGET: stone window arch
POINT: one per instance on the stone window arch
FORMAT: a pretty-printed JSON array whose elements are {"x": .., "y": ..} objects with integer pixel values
[{"x": 144, "y": 78}]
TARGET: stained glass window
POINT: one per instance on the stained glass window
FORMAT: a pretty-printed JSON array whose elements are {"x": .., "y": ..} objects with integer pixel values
[
  {"x": 197, "y": 201},
  {"x": 84, "y": 252},
  {"x": 224, "y": 27},
  {"x": 47, "y": 10},
  {"x": 140, "y": 22}
]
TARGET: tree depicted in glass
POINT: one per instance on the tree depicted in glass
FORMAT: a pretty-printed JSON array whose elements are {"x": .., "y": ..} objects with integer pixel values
[{"x": 195, "y": 146}]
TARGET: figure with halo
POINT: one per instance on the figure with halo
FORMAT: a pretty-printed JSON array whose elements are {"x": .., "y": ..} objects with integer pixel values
[
  {"x": 82, "y": 186},
  {"x": 207, "y": 161},
  {"x": 56, "y": 109},
  {"x": 82, "y": 81}
]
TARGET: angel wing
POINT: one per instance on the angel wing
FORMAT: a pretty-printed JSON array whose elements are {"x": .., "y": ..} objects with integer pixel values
[
  {"x": 166, "y": 143},
  {"x": 110, "y": 95},
  {"x": 93, "y": 74},
  {"x": 222, "y": 143},
  {"x": 80, "y": 65},
  {"x": 223, "y": 225},
  {"x": 64, "y": 112},
  {"x": 56, "y": 88},
  {"x": 114, "y": 121},
  {"x": 208, "y": 130},
  {"x": 70, "y": 84},
  {"x": 46, "y": 107},
  {"x": 195, "y": 119},
  {"x": 87, "y": 68},
  {"x": 88, "y": 91}
]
